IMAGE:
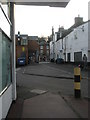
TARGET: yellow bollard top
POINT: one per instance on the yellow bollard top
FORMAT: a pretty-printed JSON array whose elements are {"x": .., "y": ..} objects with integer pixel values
[{"x": 77, "y": 71}]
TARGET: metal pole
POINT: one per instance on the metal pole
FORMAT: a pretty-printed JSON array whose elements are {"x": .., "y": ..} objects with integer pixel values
[{"x": 12, "y": 33}]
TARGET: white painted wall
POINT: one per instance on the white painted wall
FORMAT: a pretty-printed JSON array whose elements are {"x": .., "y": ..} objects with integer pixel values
[
  {"x": 58, "y": 49},
  {"x": 76, "y": 41},
  {"x": 78, "y": 44},
  {"x": 5, "y": 102},
  {"x": 0, "y": 108},
  {"x": 51, "y": 50}
]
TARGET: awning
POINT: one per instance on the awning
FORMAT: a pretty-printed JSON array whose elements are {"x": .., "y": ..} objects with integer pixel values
[{"x": 51, "y": 3}]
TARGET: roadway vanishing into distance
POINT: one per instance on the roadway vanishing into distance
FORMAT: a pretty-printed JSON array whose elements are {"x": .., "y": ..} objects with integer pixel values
[{"x": 56, "y": 78}]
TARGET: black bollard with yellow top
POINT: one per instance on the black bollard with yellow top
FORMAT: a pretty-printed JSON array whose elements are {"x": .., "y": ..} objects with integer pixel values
[{"x": 77, "y": 77}]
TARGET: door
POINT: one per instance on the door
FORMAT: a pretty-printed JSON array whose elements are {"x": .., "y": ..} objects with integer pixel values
[
  {"x": 68, "y": 57},
  {"x": 77, "y": 56}
]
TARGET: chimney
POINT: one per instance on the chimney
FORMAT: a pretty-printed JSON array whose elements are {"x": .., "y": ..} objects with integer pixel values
[{"x": 78, "y": 20}]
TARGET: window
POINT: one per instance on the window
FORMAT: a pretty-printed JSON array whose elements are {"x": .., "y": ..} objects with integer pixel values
[
  {"x": 24, "y": 42},
  {"x": 47, "y": 52},
  {"x": 75, "y": 35},
  {"x": 4, "y": 21},
  {"x": 41, "y": 47},
  {"x": 5, "y": 61},
  {"x": 41, "y": 51},
  {"x": 47, "y": 47}
]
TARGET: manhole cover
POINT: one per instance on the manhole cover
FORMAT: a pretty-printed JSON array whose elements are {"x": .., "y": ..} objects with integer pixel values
[{"x": 38, "y": 91}]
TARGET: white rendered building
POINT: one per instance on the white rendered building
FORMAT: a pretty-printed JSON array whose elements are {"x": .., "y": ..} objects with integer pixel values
[{"x": 73, "y": 45}]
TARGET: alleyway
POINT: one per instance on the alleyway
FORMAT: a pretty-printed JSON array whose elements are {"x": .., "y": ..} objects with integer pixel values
[{"x": 47, "y": 91}]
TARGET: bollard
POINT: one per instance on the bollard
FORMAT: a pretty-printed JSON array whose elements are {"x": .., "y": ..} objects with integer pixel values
[{"x": 77, "y": 77}]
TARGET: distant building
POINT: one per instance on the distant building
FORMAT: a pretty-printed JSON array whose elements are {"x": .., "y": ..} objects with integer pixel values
[
  {"x": 72, "y": 44},
  {"x": 44, "y": 51},
  {"x": 21, "y": 47},
  {"x": 33, "y": 49}
]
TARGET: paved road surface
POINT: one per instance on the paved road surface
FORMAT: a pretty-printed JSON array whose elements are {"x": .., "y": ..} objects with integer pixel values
[
  {"x": 58, "y": 99},
  {"x": 50, "y": 77}
]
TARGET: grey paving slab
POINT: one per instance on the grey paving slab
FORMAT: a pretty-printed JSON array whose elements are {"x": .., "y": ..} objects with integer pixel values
[
  {"x": 47, "y": 106},
  {"x": 80, "y": 106}
]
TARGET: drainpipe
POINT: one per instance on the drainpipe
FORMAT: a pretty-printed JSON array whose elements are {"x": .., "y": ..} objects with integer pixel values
[{"x": 12, "y": 34}]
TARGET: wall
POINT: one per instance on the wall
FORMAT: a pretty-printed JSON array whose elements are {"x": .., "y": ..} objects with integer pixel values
[
  {"x": 76, "y": 41},
  {"x": 46, "y": 52},
  {"x": 51, "y": 50},
  {"x": 89, "y": 39},
  {"x": 19, "y": 50},
  {"x": 5, "y": 87},
  {"x": 58, "y": 49},
  {"x": 33, "y": 50},
  {"x": 5, "y": 102},
  {"x": 33, "y": 45}
]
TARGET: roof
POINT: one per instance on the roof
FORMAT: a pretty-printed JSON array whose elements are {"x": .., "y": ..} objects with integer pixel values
[
  {"x": 51, "y": 3},
  {"x": 23, "y": 36},
  {"x": 68, "y": 31},
  {"x": 43, "y": 43},
  {"x": 32, "y": 37}
]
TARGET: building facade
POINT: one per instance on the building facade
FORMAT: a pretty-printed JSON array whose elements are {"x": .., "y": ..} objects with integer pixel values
[
  {"x": 75, "y": 44},
  {"x": 33, "y": 49},
  {"x": 7, "y": 85},
  {"x": 21, "y": 47},
  {"x": 44, "y": 51},
  {"x": 72, "y": 45}
]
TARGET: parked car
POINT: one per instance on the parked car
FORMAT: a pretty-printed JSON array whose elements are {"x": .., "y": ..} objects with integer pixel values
[
  {"x": 59, "y": 60},
  {"x": 21, "y": 61}
]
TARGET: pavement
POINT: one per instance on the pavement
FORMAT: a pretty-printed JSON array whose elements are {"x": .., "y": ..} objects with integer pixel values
[{"x": 41, "y": 103}]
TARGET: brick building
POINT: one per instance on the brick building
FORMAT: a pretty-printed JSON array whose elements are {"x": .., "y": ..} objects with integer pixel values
[
  {"x": 21, "y": 47},
  {"x": 44, "y": 51},
  {"x": 33, "y": 48}
]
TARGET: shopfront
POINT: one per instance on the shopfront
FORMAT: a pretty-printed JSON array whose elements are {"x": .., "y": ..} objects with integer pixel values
[
  {"x": 5, "y": 62},
  {"x": 7, "y": 49}
]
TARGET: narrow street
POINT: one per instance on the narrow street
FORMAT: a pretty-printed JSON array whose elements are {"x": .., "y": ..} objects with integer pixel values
[
  {"x": 51, "y": 77},
  {"x": 48, "y": 83}
]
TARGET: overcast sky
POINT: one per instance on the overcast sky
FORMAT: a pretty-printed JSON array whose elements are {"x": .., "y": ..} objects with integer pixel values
[{"x": 38, "y": 21}]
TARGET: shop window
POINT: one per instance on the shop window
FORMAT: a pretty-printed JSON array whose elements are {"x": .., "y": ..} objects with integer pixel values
[{"x": 5, "y": 61}]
